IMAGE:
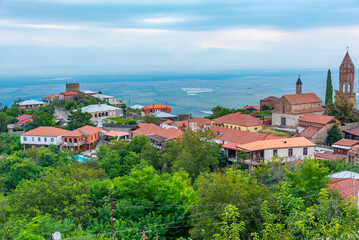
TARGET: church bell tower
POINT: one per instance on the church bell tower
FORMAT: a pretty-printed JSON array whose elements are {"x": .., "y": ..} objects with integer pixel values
[
  {"x": 346, "y": 80},
  {"x": 298, "y": 88}
]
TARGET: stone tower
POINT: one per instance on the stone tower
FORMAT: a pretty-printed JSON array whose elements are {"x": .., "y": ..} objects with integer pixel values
[
  {"x": 346, "y": 80},
  {"x": 298, "y": 88},
  {"x": 74, "y": 87}
]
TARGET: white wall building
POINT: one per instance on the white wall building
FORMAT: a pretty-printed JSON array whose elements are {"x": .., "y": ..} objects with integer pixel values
[
  {"x": 102, "y": 111},
  {"x": 43, "y": 136}
]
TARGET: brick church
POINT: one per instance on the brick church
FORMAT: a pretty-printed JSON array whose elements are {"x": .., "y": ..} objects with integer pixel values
[{"x": 346, "y": 80}]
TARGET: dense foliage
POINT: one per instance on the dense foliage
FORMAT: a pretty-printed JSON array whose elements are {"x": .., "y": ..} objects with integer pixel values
[
  {"x": 342, "y": 110},
  {"x": 183, "y": 191},
  {"x": 334, "y": 135},
  {"x": 79, "y": 119},
  {"x": 329, "y": 89}
]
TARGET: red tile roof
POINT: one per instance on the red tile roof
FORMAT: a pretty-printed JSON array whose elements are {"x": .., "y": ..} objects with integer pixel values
[
  {"x": 46, "y": 132},
  {"x": 51, "y": 96},
  {"x": 237, "y": 136},
  {"x": 309, "y": 132},
  {"x": 346, "y": 142},
  {"x": 155, "y": 106},
  {"x": 181, "y": 124},
  {"x": 328, "y": 156},
  {"x": 302, "y": 98},
  {"x": 201, "y": 121},
  {"x": 86, "y": 130},
  {"x": 353, "y": 131},
  {"x": 310, "y": 110},
  {"x": 69, "y": 93},
  {"x": 167, "y": 122},
  {"x": 24, "y": 119},
  {"x": 251, "y": 107},
  {"x": 270, "y": 98},
  {"x": 277, "y": 143},
  {"x": 317, "y": 118},
  {"x": 116, "y": 134},
  {"x": 346, "y": 188},
  {"x": 152, "y": 129},
  {"x": 239, "y": 119}
]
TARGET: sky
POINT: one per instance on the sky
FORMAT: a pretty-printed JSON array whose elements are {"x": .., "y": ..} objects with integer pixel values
[{"x": 50, "y": 37}]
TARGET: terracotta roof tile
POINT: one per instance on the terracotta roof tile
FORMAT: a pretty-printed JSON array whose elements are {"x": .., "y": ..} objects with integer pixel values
[
  {"x": 237, "y": 136},
  {"x": 51, "y": 96},
  {"x": 353, "y": 131},
  {"x": 181, "y": 124},
  {"x": 329, "y": 156},
  {"x": 302, "y": 98},
  {"x": 346, "y": 188},
  {"x": 317, "y": 118},
  {"x": 24, "y": 118},
  {"x": 278, "y": 143},
  {"x": 347, "y": 62},
  {"x": 201, "y": 121},
  {"x": 46, "y": 132},
  {"x": 69, "y": 93},
  {"x": 249, "y": 107},
  {"x": 311, "y": 110},
  {"x": 152, "y": 129},
  {"x": 116, "y": 134},
  {"x": 155, "y": 106},
  {"x": 83, "y": 131},
  {"x": 239, "y": 119},
  {"x": 346, "y": 142},
  {"x": 167, "y": 122},
  {"x": 309, "y": 132}
]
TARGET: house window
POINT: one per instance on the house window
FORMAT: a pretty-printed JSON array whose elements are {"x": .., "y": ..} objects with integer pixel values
[
  {"x": 239, "y": 128},
  {"x": 33, "y": 139},
  {"x": 305, "y": 151},
  {"x": 39, "y": 139},
  {"x": 275, "y": 152},
  {"x": 290, "y": 152},
  {"x": 45, "y": 139},
  {"x": 25, "y": 138},
  {"x": 255, "y": 128},
  {"x": 52, "y": 139}
]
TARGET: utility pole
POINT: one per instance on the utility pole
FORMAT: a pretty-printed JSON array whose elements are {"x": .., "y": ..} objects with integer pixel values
[
  {"x": 144, "y": 237},
  {"x": 113, "y": 223}
]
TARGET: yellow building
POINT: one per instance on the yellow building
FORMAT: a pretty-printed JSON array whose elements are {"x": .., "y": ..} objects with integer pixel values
[{"x": 239, "y": 121}]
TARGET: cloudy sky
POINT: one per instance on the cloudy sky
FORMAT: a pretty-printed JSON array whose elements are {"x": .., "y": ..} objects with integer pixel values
[{"x": 117, "y": 36}]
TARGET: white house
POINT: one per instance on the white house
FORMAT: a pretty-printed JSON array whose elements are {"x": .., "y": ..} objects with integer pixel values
[
  {"x": 101, "y": 111},
  {"x": 110, "y": 99},
  {"x": 43, "y": 136},
  {"x": 288, "y": 149},
  {"x": 30, "y": 104}
]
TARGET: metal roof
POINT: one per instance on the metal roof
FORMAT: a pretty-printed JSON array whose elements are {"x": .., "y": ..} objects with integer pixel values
[
  {"x": 164, "y": 115},
  {"x": 31, "y": 102},
  {"x": 344, "y": 174},
  {"x": 102, "y": 96},
  {"x": 98, "y": 108}
]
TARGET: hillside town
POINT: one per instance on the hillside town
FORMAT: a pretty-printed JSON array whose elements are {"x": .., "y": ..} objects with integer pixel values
[{"x": 282, "y": 131}]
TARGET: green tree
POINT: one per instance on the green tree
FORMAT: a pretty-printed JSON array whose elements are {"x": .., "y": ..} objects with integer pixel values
[
  {"x": 79, "y": 119},
  {"x": 265, "y": 107},
  {"x": 152, "y": 155},
  {"x": 334, "y": 134},
  {"x": 70, "y": 105},
  {"x": 231, "y": 228},
  {"x": 4, "y": 121},
  {"x": 329, "y": 89},
  {"x": 307, "y": 179},
  {"x": 150, "y": 118},
  {"x": 219, "y": 111},
  {"x": 342, "y": 110},
  {"x": 215, "y": 191},
  {"x": 194, "y": 152}
]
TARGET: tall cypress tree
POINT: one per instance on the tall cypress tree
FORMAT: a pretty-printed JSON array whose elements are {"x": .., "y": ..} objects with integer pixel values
[{"x": 329, "y": 90}]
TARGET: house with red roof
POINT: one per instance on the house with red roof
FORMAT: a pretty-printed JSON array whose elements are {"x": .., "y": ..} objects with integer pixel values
[
  {"x": 352, "y": 133},
  {"x": 50, "y": 98},
  {"x": 68, "y": 96},
  {"x": 290, "y": 107},
  {"x": 251, "y": 108},
  {"x": 199, "y": 123},
  {"x": 346, "y": 147},
  {"x": 315, "y": 126},
  {"x": 84, "y": 138},
  {"x": 43, "y": 136},
  {"x": 238, "y": 121},
  {"x": 21, "y": 120},
  {"x": 157, "y": 134},
  {"x": 155, "y": 108}
]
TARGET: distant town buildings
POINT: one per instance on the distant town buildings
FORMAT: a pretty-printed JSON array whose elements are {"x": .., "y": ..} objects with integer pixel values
[
  {"x": 30, "y": 104},
  {"x": 346, "y": 80},
  {"x": 84, "y": 138},
  {"x": 50, "y": 98},
  {"x": 68, "y": 95},
  {"x": 238, "y": 121},
  {"x": 269, "y": 102},
  {"x": 290, "y": 107},
  {"x": 199, "y": 123},
  {"x": 73, "y": 87},
  {"x": 21, "y": 120}
]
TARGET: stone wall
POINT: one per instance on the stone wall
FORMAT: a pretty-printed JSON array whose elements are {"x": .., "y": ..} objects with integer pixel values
[{"x": 73, "y": 87}]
